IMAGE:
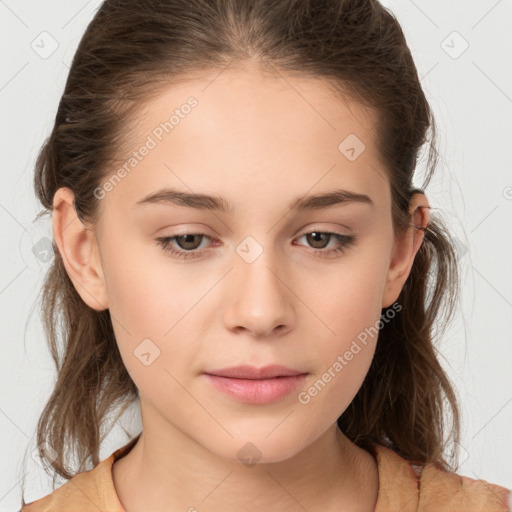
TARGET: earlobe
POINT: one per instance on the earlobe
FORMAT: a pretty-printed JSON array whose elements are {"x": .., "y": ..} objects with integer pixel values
[
  {"x": 406, "y": 247},
  {"x": 77, "y": 246}
]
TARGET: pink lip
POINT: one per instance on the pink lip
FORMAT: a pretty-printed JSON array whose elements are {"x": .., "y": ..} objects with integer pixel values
[
  {"x": 256, "y": 385},
  {"x": 252, "y": 372}
]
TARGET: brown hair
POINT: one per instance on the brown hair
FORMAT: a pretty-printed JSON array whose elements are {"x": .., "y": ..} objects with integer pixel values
[{"x": 130, "y": 52}]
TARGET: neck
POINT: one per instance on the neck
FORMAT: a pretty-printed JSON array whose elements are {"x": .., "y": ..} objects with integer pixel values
[{"x": 331, "y": 473}]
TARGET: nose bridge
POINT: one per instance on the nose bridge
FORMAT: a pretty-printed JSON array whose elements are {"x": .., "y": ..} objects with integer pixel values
[
  {"x": 260, "y": 299},
  {"x": 257, "y": 267}
]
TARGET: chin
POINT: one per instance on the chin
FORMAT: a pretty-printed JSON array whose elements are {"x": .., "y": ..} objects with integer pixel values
[{"x": 259, "y": 448}]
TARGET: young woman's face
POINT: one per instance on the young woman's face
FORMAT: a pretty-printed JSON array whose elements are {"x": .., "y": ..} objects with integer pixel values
[{"x": 247, "y": 278}]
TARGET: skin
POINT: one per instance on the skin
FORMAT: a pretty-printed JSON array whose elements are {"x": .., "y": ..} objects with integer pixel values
[{"x": 259, "y": 141}]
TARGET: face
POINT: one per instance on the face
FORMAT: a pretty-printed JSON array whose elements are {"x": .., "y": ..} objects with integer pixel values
[{"x": 260, "y": 279}]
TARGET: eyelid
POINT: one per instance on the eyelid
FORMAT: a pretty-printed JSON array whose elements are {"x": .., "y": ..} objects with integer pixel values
[
  {"x": 324, "y": 229},
  {"x": 202, "y": 231},
  {"x": 345, "y": 241}
]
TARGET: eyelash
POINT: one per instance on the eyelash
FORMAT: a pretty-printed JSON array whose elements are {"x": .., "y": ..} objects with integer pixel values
[{"x": 345, "y": 241}]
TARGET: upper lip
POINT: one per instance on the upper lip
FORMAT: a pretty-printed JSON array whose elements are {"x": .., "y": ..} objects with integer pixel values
[{"x": 252, "y": 372}]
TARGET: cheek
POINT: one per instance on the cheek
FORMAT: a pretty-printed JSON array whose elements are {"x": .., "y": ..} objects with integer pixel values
[
  {"x": 155, "y": 306},
  {"x": 349, "y": 305},
  {"x": 349, "y": 300},
  {"x": 146, "y": 295},
  {"x": 343, "y": 356}
]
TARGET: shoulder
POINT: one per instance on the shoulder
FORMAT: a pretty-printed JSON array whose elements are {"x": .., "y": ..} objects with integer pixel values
[
  {"x": 454, "y": 492},
  {"x": 86, "y": 491},
  {"x": 405, "y": 487}
]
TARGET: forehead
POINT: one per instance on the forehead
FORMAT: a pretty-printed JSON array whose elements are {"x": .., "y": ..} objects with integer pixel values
[
  {"x": 256, "y": 101},
  {"x": 235, "y": 131}
]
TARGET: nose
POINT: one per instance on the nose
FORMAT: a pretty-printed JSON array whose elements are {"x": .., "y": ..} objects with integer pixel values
[{"x": 260, "y": 298}]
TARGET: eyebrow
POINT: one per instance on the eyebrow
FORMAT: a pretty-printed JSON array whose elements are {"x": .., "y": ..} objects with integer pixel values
[{"x": 217, "y": 203}]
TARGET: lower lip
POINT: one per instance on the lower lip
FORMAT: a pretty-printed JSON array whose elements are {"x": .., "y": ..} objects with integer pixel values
[{"x": 253, "y": 391}]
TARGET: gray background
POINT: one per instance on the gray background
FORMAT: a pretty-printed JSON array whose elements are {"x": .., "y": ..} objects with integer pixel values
[{"x": 463, "y": 53}]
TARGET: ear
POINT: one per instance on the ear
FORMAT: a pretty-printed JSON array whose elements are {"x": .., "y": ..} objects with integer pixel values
[
  {"x": 406, "y": 246},
  {"x": 79, "y": 250}
]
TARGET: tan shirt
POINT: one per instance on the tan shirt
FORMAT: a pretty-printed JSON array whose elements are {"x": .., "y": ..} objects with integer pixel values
[{"x": 401, "y": 488}]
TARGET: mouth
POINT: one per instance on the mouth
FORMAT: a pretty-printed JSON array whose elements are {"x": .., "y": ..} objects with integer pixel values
[
  {"x": 253, "y": 372},
  {"x": 256, "y": 385}
]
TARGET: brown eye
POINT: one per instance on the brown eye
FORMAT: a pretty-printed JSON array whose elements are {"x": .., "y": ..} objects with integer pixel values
[
  {"x": 183, "y": 246},
  {"x": 187, "y": 242},
  {"x": 318, "y": 240},
  {"x": 321, "y": 239},
  {"x": 188, "y": 245}
]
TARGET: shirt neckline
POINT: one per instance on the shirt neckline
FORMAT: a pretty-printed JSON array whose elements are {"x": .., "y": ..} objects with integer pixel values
[{"x": 398, "y": 482}]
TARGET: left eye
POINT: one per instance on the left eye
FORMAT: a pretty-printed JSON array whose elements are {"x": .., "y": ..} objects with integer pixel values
[
  {"x": 188, "y": 243},
  {"x": 185, "y": 241}
]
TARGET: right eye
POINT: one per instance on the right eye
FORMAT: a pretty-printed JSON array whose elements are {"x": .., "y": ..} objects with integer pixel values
[{"x": 186, "y": 240}]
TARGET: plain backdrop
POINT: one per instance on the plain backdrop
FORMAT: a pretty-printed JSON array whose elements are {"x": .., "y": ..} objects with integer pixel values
[{"x": 463, "y": 53}]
